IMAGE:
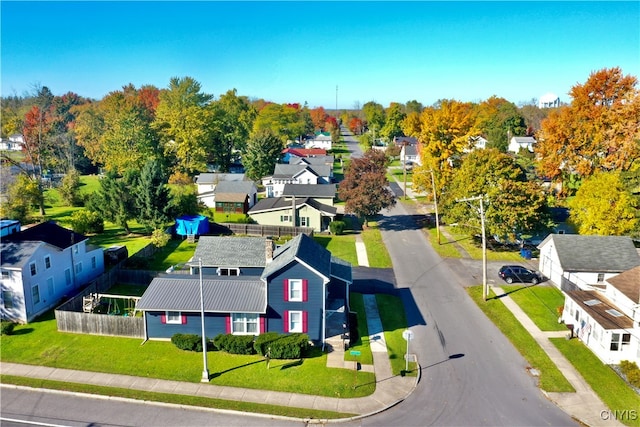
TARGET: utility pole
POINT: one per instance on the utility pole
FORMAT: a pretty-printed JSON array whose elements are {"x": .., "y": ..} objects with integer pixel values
[
  {"x": 435, "y": 203},
  {"x": 485, "y": 288},
  {"x": 205, "y": 369}
]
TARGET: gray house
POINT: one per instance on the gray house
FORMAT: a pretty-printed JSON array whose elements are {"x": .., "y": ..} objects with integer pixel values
[{"x": 301, "y": 288}]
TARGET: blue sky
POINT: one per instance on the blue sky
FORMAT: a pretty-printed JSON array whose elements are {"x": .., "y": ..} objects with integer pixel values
[{"x": 300, "y": 51}]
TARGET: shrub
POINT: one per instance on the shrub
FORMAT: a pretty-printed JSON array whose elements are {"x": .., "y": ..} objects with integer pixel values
[
  {"x": 631, "y": 371},
  {"x": 190, "y": 342},
  {"x": 289, "y": 346},
  {"x": 234, "y": 344},
  {"x": 7, "y": 327},
  {"x": 263, "y": 342},
  {"x": 159, "y": 238},
  {"x": 85, "y": 221},
  {"x": 337, "y": 227}
]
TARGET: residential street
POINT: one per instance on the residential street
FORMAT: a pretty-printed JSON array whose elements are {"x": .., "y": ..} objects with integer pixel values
[{"x": 471, "y": 374}]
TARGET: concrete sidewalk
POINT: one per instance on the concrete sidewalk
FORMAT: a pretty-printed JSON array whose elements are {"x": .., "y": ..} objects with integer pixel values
[{"x": 390, "y": 389}]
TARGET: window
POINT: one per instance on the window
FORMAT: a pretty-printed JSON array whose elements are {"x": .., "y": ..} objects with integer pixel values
[
  {"x": 228, "y": 271},
  {"x": 67, "y": 276},
  {"x": 33, "y": 269},
  {"x": 285, "y": 218},
  {"x": 93, "y": 262},
  {"x": 6, "y": 274},
  {"x": 35, "y": 294},
  {"x": 617, "y": 344},
  {"x": 47, "y": 262},
  {"x": 304, "y": 221},
  {"x": 245, "y": 324},
  {"x": 7, "y": 298},
  {"x": 174, "y": 317},
  {"x": 295, "y": 290},
  {"x": 600, "y": 277},
  {"x": 79, "y": 268},
  {"x": 295, "y": 321}
]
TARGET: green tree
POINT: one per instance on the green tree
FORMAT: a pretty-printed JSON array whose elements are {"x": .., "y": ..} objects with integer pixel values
[
  {"x": 374, "y": 115},
  {"x": 70, "y": 188},
  {"x": 393, "y": 125},
  {"x": 115, "y": 200},
  {"x": 413, "y": 107},
  {"x": 603, "y": 206},
  {"x": 153, "y": 198},
  {"x": 22, "y": 195},
  {"x": 365, "y": 188},
  {"x": 287, "y": 122},
  {"x": 498, "y": 118},
  {"x": 184, "y": 119},
  {"x": 263, "y": 152}
]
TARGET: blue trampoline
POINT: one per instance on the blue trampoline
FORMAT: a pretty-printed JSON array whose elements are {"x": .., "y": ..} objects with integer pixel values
[{"x": 188, "y": 225}]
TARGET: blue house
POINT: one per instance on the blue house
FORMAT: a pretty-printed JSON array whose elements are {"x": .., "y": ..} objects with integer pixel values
[{"x": 301, "y": 288}]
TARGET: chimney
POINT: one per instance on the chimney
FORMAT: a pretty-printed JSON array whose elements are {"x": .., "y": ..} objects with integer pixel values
[{"x": 268, "y": 250}]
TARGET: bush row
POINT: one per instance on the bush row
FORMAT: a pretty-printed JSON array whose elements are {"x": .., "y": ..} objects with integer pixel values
[{"x": 271, "y": 344}]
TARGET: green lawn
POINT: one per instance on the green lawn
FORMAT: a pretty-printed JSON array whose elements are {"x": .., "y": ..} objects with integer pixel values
[
  {"x": 613, "y": 391},
  {"x": 376, "y": 249},
  {"x": 540, "y": 302},
  {"x": 177, "y": 251},
  {"x": 39, "y": 343},
  {"x": 362, "y": 343},
  {"x": 445, "y": 249},
  {"x": 551, "y": 379},
  {"x": 343, "y": 246},
  {"x": 394, "y": 322}
]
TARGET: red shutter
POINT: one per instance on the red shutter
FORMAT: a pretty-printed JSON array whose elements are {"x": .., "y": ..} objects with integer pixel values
[
  {"x": 305, "y": 322},
  {"x": 305, "y": 292},
  {"x": 262, "y": 324},
  {"x": 163, "y": 318},
  {"x": 286, "y": 289},
  {"x": 228, "y": 324},
  {"x": 184, "y": 319},
  {"x": 286, "y": 321}
]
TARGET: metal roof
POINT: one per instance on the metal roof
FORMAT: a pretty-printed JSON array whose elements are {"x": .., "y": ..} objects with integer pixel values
[
  {"x": 228, "y": 295},
  {"x": 309, "y": 190}
]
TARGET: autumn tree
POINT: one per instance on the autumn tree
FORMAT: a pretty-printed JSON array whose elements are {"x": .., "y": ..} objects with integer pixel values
[
  {"x": 262, "y": 153},
  {"x": 365, "y": 188},
  {"x": 374, "y": 115},
  {"x": 319, "y": 118},
  {"x": 603, "y": 206},
  {"x": 184, "y": 118},
  {"x": 286, "y": 121},
  {"x": 355, "y": 125},
  {"x": 598, "y": 131}
]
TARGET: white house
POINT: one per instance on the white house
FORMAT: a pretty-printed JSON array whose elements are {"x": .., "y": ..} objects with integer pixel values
[
  {"x": 409, "y": 154},
  {"x": 607, "y": 319},
  {"x": 518, "y": 143},
  {"x": 295, "y": 174},
  {"x": 42, "y": 264},
  {"x": 320, "y": 140},
  {"x": 207, "y": 182},
  {"x": 577, "y": 262},
  {"x": 13, "y": 143},
  {"x": 549, "y": 100}
]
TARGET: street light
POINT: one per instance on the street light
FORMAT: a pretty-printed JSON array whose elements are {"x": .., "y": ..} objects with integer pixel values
[
  {"x": 485, "y": 289},
  {"x": 205, "y": 369}
]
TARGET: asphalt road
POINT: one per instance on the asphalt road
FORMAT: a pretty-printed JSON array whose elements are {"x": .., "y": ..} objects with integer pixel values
[
  {"x": 471, "y": 374},
  {"x": 40, "y": 407}
]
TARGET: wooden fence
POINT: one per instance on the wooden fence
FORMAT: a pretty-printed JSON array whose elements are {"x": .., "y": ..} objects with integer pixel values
[
  {"x": 267, "y": 230},
  {"x": 100, "y": 324}
]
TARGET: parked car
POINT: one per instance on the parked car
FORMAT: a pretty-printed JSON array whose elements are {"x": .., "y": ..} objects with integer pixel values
[{"x": 517, "y": 273}]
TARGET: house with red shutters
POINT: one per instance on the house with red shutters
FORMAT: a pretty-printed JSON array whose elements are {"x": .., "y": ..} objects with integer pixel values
[{"x": 247, "y": 286}]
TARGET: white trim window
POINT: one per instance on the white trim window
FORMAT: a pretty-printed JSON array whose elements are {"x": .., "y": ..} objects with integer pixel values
[
  {"x": 79, "y": 268},
  {"x": 33, "y": 269},
  {"x": 35, "y": 294},
  {"x": 304, "y": 221},
  {"x": 226, "y": 271},
  {"x": 619, "y": 341},
  {"x": 295, "y": 290},
  {"x": 245, "y": 323},
  {"x": 174, "y": 318},
  {"x": 295, "y": 321},
  {"x": 47, "y": 262}
]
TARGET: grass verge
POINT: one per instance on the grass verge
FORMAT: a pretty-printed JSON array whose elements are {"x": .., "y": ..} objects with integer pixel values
[
  {"x": 362, "y": 343},
  {"x": 540, "y": 302},
  {"x": 177, "y": 399},
  {"x": 394, "y": 322},
  {"x": 613, "y": 391},
  {"x": 551, "y": 379},
  {"x": 376, "y": 249}
]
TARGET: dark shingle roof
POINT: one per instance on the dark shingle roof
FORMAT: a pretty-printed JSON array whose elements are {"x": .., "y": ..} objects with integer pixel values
[
  {"x": 602, "y": 254},
  {"x": 48, "y": 232},
  {"x": 16, "y": 254},
  {"x": 287, "y": 171},
  {"x": 280, "y": 203},
  {"x": 309, "y": 190},
  {"x": 228, "y": 187},
  {"x": 230, "y": 251},
  {"x": 628, "y": 283},
  {"x": 228, "y": 295},
  {"x": 341, "y": 269},
  {"x": 304, "y": 249}
]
